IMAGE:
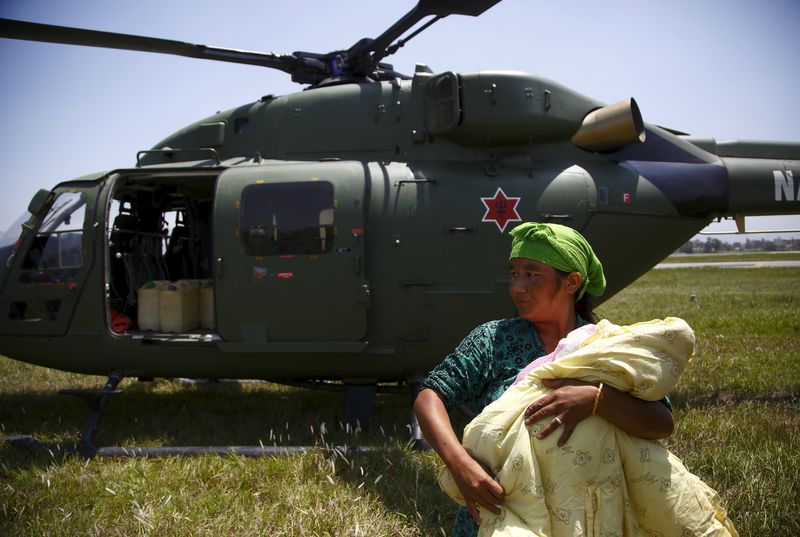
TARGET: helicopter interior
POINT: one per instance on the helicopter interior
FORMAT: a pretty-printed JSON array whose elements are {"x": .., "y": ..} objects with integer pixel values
[{"x": 159, "y": 238}]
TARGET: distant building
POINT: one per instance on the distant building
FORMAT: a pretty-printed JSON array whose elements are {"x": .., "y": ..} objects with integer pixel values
[{"x": 713, "y": 245}]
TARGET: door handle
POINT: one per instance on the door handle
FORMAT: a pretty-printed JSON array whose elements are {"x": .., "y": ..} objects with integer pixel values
[{"x": 358, "y": 252}]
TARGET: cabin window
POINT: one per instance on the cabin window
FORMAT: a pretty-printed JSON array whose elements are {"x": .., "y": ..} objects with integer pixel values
[
  {"x": 240, "y": 125},
  {"x": 287, "y": 218},
  {"x": 57, "y": 249}
]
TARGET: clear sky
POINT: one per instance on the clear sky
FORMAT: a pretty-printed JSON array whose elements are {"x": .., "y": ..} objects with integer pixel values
[{"x": 708, "y": 67}]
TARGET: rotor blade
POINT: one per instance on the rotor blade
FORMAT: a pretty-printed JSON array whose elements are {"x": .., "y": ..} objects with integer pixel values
[
  {"x": 442, "y": 8},
  {"x": 379, "y": 47},
  {"x": 31, "y": 31}
]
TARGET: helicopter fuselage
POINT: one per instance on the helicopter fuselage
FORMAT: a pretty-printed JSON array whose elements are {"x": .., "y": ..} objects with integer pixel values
[{"x": 353, "y": 232}]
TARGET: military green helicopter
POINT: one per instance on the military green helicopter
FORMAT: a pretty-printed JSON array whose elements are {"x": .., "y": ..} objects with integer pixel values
[{"x": 331, "y": 234}]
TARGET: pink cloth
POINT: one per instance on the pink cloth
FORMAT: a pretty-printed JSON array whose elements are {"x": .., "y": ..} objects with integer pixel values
[{"x": 565, "y": 346}]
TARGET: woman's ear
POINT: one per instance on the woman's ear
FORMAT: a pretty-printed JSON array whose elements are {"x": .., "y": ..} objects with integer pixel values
[{"x": 574, "y": 282}]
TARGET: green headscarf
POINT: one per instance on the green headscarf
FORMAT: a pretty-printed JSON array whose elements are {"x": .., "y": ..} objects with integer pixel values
[{"x": 562, "y": 248}]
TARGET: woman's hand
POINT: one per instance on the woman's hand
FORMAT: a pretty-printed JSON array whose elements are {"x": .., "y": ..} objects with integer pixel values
[
  {"x": 572, "y": 401},
  {"x": 569, "y": 403},
  {"x": 477, "y": 486}
]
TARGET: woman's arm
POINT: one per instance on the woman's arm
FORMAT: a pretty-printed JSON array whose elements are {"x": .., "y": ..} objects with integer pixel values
[
  {"x": 571, "y": 401},
  {"x": 476, "y": 486}
]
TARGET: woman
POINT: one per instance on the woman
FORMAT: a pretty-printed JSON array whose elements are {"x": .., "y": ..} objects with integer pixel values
[{"x": 552, "y": 269}]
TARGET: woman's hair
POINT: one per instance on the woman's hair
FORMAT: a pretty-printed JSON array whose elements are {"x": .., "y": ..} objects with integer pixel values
[{"x": 585, "y": 309}]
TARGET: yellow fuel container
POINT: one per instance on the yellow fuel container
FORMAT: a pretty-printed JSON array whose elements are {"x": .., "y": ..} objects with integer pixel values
[
  {"x": 179, "y": 306},
  {"x": 148, "y": 305}
]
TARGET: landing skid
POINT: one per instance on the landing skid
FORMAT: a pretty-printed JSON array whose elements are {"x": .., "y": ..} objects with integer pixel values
[
  {"x": 98, "y": 402},
  {"x": 32, "y": 444}
]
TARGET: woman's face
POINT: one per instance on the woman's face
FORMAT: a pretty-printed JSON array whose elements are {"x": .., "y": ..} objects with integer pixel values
[{"x": 540, "y": 293}]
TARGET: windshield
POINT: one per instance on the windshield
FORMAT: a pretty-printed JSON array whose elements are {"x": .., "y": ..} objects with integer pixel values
[
  {"x": 64, "y": 214},
  {"x": 9, "y": 246}
]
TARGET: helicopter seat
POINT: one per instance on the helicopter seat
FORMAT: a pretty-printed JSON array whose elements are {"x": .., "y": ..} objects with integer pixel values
[
  {"x": 123, "y": 233},
  {"x": 124, "y": 241},
  {"x": 179, "y": 253}
]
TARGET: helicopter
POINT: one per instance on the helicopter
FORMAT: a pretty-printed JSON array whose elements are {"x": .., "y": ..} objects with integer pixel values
[{"x": 331, "y": 234}]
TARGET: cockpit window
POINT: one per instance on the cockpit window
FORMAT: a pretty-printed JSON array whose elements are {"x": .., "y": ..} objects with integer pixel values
[
  {"x": 57, "y": 252},
  {"x": 287, "y": 218},
  {"x": 66, "y": 213}
]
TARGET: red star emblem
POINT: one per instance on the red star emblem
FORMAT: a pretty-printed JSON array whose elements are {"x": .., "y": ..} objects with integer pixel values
[{"x": 501, "y": 209}]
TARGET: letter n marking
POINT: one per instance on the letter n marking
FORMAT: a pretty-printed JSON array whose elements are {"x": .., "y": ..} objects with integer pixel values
[{"x": 784, "y": 185}]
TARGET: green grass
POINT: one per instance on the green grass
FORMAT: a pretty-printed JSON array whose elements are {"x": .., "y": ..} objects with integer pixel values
[
  {"x": 737, "y": 410},
  {"x": 299, "y": 495}
]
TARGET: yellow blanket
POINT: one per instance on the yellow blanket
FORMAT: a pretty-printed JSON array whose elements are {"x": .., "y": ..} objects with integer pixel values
[{"x": 602, "y": 481}]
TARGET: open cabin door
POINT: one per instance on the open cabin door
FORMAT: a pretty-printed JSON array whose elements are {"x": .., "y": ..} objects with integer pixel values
[{"x": 289, "y": 258}]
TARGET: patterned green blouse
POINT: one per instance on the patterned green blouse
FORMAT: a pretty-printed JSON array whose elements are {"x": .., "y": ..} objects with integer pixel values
[{"x": 486, "y": 362}]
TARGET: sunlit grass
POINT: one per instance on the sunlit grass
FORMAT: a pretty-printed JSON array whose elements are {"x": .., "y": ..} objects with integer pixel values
[
  {"x": 314, "y": 494},
  {"x": 737, "y": 410},
  {"x": 750, "y": 451}
]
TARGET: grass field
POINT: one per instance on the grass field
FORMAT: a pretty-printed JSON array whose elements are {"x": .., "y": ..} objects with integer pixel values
[{"x": 737, "y": 410}]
